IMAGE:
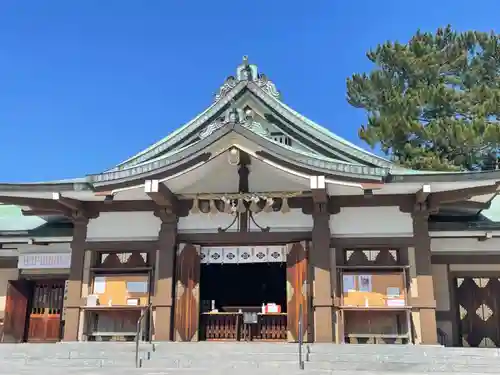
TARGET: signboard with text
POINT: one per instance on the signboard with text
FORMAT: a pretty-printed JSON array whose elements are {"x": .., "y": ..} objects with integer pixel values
[{"x": 41, "y": 261}]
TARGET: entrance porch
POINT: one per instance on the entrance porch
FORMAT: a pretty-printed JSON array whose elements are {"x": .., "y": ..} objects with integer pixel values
[{"x": 221, "y": 292}]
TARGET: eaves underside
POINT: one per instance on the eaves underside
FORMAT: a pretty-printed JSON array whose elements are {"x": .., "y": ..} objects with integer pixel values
[
  {"x": 317, "y": 166},
  {"x": 470, "y": 224}
]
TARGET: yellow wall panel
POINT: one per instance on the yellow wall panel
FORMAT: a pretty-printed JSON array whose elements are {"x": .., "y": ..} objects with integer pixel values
[
  {"x": 112, "y": 289},
  {"x": 374, "y": 292}
]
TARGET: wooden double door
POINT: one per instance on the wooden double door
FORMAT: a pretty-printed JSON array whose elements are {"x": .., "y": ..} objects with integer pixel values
[
  {"x": 33, "y": 311},
  {"x": 478, "y": 300}
]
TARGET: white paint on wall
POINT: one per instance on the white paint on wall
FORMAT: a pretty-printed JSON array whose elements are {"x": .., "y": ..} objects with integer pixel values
[
  {"x": 371, "y": 222},
  {"x": 119, "y": 226},
  {"x": 494, "y": 268},
  {"x": 206, "y": 223},
  {"x": 63, "y": 247},
  {"x": 295, "y": 220},
  {"x": 465, "y": 245}
]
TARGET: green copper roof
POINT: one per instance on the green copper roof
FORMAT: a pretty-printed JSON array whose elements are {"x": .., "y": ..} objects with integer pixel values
[
  {"x": 13, "y": 220},
  {"x": 493, "y": 213},
  {"x": 249, "y": 78}
]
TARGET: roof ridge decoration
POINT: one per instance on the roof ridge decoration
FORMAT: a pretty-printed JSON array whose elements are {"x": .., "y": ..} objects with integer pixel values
[
  {"x": 235, "y": 115},
  {"x": 250, "y": 73}
]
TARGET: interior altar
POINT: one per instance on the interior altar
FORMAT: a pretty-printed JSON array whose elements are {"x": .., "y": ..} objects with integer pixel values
[{"x": 243, "y": 293}]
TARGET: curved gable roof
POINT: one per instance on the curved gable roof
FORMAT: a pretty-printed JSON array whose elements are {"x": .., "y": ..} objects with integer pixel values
[{"x": 326, "y": 142}]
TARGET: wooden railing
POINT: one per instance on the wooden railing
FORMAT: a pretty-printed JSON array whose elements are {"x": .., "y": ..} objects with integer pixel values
[
  {"x": 442, "y": 337},
  {"x": 301, "y": 338},
  {"x": 221, "y": 326},
  {"x": 230, "y": 326}
]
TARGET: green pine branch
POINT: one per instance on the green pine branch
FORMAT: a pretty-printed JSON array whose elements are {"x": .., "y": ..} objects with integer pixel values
[{"x": 433, "y": 103}]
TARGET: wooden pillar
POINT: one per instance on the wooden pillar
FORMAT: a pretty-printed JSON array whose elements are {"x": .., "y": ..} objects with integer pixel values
[
  {"x": 164, "y": 275},
  {"x": 74, "y": 296},
  {"x": 187, "y": 293},
  {"x": 86, "y": 282},
  {"x": 422, "y": 286},
  {"x": 297, "y": 289},
  {"x": 337, "y": 320},
  {"x": 320, "y": 258}
]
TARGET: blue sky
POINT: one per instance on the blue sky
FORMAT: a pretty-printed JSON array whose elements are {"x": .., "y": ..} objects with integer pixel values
[{"x": 86, "y": 84}]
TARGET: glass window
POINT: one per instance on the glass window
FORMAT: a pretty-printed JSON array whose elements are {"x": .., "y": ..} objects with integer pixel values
[{"x": 137, "y": 286}]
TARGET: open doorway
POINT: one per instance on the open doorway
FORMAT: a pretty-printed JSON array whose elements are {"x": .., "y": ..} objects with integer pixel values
[{"x": 228, "y": 291}]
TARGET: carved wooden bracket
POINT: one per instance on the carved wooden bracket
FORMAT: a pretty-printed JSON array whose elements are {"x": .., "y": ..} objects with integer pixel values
[{"x": 166, "y": 215}]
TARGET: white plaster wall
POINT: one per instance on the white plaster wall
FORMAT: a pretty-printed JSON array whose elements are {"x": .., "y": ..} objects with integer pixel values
[
  {"x": 294, "y": 220},
  {"x": 465, "y": 245},
  {"x": 63, "y": 247},
  {"x": 494, "y": 268},
  {"x": 206, "y": 223},
  {"x": 116, "y": 226},
  {"x": 6, "y": 274},
  {"x": 264, "y": 177},
  {"x": 371, "y": 222}
]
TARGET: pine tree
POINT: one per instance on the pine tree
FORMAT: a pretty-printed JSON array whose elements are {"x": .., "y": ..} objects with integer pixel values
[{"x": 433, "y": 103}]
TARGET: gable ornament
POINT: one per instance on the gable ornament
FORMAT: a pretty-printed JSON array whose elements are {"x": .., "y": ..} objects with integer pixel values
[{"x": 246, "y": 72}]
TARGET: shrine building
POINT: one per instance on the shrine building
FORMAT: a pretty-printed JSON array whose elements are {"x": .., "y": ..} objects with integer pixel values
[{"x": 241, "y": 224}]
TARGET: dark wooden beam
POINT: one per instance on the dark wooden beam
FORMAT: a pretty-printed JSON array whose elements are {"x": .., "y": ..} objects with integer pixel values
[
  {"x": 69, "y": 203},
  {"x": 160, "y": 193},
  {"x": 121, "y": 206},
  {"x": 45, "y": 213},
  {"x": 470, "y": 205},
  {"x": 244, "y": 187},
  {"x": 318, "y": 189},
  {"x": 34, "y": 203},
  {"x": 248, "y": 238},
  {"x": 422, "y": 195}
]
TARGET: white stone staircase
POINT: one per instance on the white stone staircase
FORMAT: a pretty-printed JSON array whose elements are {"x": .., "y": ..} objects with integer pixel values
[{"x": 242, "y": 359}]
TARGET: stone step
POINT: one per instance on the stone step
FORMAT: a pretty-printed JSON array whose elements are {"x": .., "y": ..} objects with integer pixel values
[
  {"x": 144, "y": 371},
  {"x": 179, "y": 360},
  {"x": 276, "y": 357},
  {"x": 245, "y": 358},
  {"x": 74, "y": 355}
]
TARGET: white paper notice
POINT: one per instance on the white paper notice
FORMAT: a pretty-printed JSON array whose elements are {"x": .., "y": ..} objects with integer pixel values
[
  {"x": 99, "y": 285},
  {"x": 396, "y": 302}
]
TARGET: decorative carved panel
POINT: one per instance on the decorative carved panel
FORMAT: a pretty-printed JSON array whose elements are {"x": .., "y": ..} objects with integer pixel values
[
  {"x": 130, "y": 259},
  {"x": 478, "y": 307},
  {"x": 366, "y": 257}
]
